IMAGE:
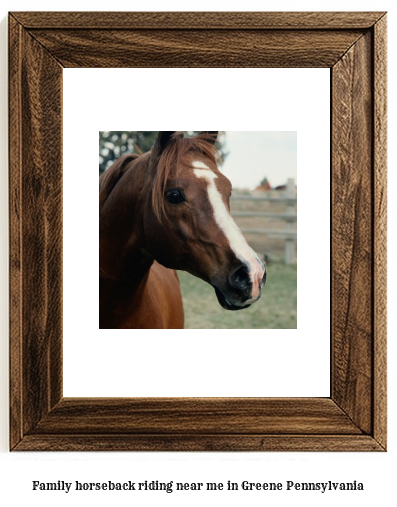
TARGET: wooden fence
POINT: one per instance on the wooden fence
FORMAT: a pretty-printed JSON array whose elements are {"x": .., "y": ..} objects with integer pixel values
[{"x": 290, "y": 218}]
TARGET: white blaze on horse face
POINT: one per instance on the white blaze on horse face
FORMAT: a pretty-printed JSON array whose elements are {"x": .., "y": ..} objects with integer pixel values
[{"x": 230, "y": 229}]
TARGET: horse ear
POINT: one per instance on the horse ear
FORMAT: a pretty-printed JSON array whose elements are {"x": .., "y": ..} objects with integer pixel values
[
  {"x": 163, "y": 139},
  {"x": 212, "y": 136}
]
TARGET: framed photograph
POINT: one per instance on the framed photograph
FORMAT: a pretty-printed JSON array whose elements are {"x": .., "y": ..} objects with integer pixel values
[{"x": 353, "y": 47}]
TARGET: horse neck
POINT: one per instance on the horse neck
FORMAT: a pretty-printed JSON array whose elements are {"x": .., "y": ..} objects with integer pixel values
[{"x": 122, "y": 255}]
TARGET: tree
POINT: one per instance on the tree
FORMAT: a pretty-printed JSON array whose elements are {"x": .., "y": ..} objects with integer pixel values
[{"x": 115, "y": 143}]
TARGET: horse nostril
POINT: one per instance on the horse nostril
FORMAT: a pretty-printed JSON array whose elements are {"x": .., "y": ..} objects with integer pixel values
[{"x": 240, "y": 278}]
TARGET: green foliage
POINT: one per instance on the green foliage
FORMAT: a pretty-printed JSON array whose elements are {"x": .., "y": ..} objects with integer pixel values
[{"x": 113, "y": 144}]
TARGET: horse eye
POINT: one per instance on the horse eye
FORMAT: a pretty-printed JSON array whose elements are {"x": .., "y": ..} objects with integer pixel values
[{"x": 175, "y": 196}]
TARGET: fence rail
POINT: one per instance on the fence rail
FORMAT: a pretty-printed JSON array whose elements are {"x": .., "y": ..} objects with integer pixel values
[
  {"x": 263, "y": 198},
  {"x": 265, "y": 214},
  {"x": 277, "y": 233},
  {"x": 290, "y": 217}
]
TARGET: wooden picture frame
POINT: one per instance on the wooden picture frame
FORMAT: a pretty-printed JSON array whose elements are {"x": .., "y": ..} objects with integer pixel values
[{"x": 353, "y": 46}]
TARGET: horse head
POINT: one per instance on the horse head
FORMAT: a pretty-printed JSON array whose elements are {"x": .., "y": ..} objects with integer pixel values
[{"x": 187, "y": 222}]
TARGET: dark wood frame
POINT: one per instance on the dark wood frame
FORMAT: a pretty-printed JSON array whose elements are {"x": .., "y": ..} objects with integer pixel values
[{"x": 353, "y": 46}]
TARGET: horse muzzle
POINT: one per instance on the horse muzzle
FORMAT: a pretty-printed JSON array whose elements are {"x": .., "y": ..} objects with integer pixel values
[{"x": 238, "y": 294}]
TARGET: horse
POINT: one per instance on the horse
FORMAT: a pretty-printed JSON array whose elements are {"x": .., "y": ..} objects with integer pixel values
[{"x": 168, "y": 210}]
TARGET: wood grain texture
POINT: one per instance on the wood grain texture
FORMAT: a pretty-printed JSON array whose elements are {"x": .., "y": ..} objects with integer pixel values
[
  {"x": 351, "y": 263},
  {"x": 353, "y": 45},
  {"x": 15, "y": 228},
  {"x": 380, "y": 230},
  {"x": 301, "y": 416},
  {"x": 41, "y": 229},
  {"x": 200, "y": 20},
  {"x": 196, "y": 48},
  {"x": 199, "y": 443},
  {"x": 36, "y": 230}
]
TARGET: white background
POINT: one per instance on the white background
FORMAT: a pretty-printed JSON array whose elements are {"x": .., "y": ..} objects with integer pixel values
[
  {"x": 375, "y": 470},
  {"x": 215, "y": 362}
]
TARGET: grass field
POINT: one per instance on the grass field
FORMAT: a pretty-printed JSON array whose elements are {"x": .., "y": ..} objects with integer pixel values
[{"x": 275, "y": 310}]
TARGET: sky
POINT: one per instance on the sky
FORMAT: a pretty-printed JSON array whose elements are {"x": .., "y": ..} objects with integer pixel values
[{"x": 255, "y": 155}]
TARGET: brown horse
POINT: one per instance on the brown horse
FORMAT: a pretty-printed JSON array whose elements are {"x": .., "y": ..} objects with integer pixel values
[{"x": 164, "y": 210}]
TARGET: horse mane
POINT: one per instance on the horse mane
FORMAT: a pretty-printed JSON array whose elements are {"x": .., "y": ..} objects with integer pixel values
[
  {"x": 173, "y": 156},
  {"x": 112, "y": 176}
]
